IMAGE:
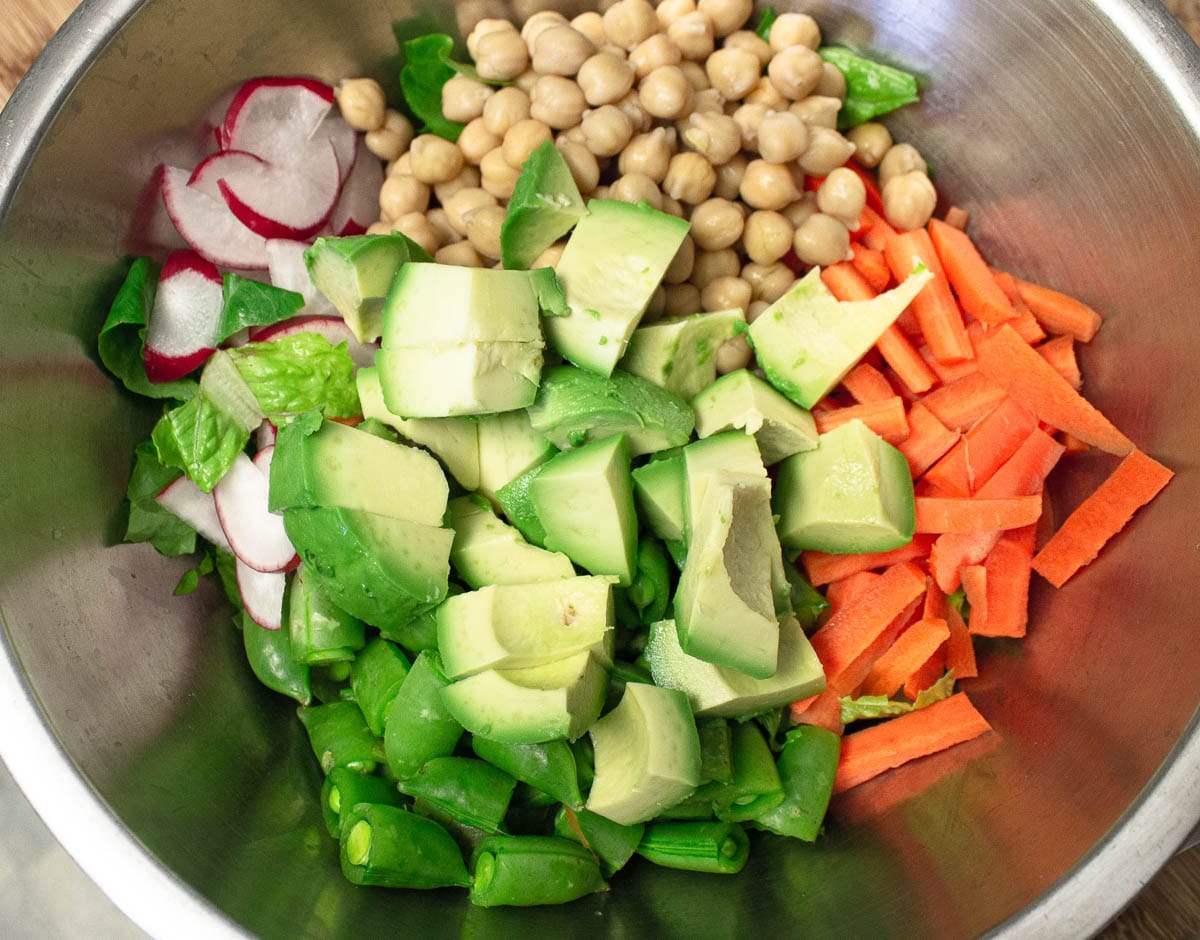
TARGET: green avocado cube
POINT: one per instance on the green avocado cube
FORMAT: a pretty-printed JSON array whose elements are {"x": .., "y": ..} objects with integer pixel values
[
  {"x": 487, "y": 551},
  {"x": 509, "y": 446},
  {"x": 545, "y": 205},
  {"x": 659, "y": 488},
  {"x": 680, "y": 354},
  {"x": 742, "y": 401}
]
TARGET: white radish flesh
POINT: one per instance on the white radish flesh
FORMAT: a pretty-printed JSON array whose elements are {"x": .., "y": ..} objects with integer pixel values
[
  {"x": 185, "y": 319},
  {"x": 270, "y": 117},
  {"x": 255, "y": 534},
  {"x": 285, "y": 201},
  {"x": 198, "y": 509},
  {"x": 209, "y": 227},
  {"x": 358, "y": 205},
  {"x": 262, "y": 594}
]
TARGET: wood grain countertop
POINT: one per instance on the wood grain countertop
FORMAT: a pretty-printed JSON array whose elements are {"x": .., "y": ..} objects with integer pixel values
[{"x": 1168, "y": 908}]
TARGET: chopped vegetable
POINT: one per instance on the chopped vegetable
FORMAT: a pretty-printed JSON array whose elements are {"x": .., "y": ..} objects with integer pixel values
[
  {"x": 872, "y": 88},
  {"x": 426, "y": 70}
]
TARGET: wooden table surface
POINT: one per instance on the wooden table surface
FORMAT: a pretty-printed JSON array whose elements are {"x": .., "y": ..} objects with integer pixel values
[{"x": 1167, "y": 909}]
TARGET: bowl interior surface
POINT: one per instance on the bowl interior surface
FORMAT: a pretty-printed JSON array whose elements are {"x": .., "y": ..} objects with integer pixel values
[{"x": 1067, "y": 129}]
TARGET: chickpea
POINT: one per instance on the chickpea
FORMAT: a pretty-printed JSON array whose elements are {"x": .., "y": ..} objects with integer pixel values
[
  {"x": 672, "y": 207},
  {"x": 817, "y": 111},
  {"x": 401, "y": 195},
  {"x": 561, "y": 50},
  {"x": 628, "y": 22},
  {"x": 748, "y": 119},
  {"x": 401, "y": 166},
  {"x": 504, "y": 109},
  {"x": 729, "y": 176},
  {"x": 653, "y": 53},
  {"x": 727, "y": 16},
  {"x": 550, "y": 257},
  {"x": 797, "y": 212},
  {"x": 681, "y": 300},
  {"x": 417, "y": 227},
  {"x": 526, "y": 80},
  {"x": 710, "y": 265},
  {"x": 695, "y": 74},
  {"x": 497, "y": 176},
  {"x": 605, "y": 79},
  {"x": 459, "y": 253},
  {"x": 909, "y": 200},
  {"x": 680, "y": 268},
  {"x": 671, "y": 10},
  {"x": 751, "y": 42},
  {"x": 769, "y": 282},
  {"x": 501, "y": 55},
  {"x": 476, "y": 141},
  {"x": 725, "y": 293},
  {"x": 782, "y": 137},
  {"x": 468, "y": 178},
  {"x": 733, "y": 72},
  {"x": 538, "y": 23},
  {"x": 463, "y": 203},
  {"x": 768, "y": 185},
  {"x": 690, "y": 178},
  {"x": 708, "y": 101},
  {"x": 591, "y": 24},
  {"x": 606, "y": 130},
  {"x": 716, "y": 136},
  {"x": 439, "y": 221},
  {"x": 827, "y": 150},
  {"x": 362, "y": 103},
  {"x": 733, "y": 354},
  {"x": 634, "y": 187},
  {"x": 434, "y": 159},
  {"x": 832, "y": 83},
  {"x": 522, "y": 139},
  {"x": 666, "y": 93},
  {"x": 649, "y": 154},
  {"x": 717, "y": 223},
  {"x": 463, "y": 98},
  {"x": 582, "y": 163},
  {"x": 765, "y": 93},
  {"x": 794, "y": 29},
  {"x": 483, "y": 230},
  {"x": 391, "y": 140},
  {"x": 822, "y": 240},
  {"x": 871, "y": 141},
  {"x": 656, "y": 307},
  {"x": 768, "y": 236},
  {"x": 756, "y": 310},
  {"x": 693, "y": 34},
  {"x": 795, "y": 71},
  {"x": 632, "y": 105},
  {"x": 843, "y": 195},
  {"x": 379, "y": 228},
  {"x": 900, "y": 159},
  {"x": 482, "y": 28},
  {"x": 557, "y": 101}
]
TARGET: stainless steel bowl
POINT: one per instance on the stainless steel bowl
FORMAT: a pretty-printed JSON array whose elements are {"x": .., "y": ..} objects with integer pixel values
[{"x": 1070, "y": 130}]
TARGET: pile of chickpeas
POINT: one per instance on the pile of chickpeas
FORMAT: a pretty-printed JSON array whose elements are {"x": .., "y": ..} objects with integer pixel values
[{"x": 681, "y": 106}]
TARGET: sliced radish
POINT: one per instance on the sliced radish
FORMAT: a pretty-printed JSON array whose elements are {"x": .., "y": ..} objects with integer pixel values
[
  {"x": 255, "y": 533},
  {"x": 285, "y": 201},
  {"x": 271, "y": 117},
  {"x": 358, "y": 205},
  {"x": 217, "y": 166},
  {"x": 333, "y": 329},
  {"x": 265, "y": 436},
  {"x": 213, "y": 119},
  {"x": 289, "y": 271},
  {"x": 184, "y": 322},
  {"x": 151, "y": 231},
  {"x": 262, "y": 458},
  {"x": 262, "y": 594},
  {"x": 198, "y": 509},
  {"x": 344, "y": 140},
  {"x": 209, "y": 227}
]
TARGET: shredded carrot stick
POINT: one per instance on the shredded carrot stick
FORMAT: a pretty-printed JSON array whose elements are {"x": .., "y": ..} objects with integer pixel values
[
  {"x": 934, "y": 307},
  {"x": 1025, "y": 323},
  {"x": 841, "y": 592},
  {"x": 928, "y": 440},
  {"x": 964, "y": 401},
  {"x": 969, "y": 514},
  {"x": 870, "y": 183},
  {"x": 959, "y": 649},
  {"x": 971, "y": 278},
  {"x": 872, "y": 266},
  {"x": 886, "y": 418},
  {"x": 1136, "y": 481},
  {"x": 1060, "y": 353},
  {"x": 876, "y": 229},
  {"x": 914, "y": 647},
  {"x": 974, "y": 585},
  {"x": 926, "y": 674},
  {"x": 957, "y": 217},
  {"x": 1059, "y": 313},
  {"x": 823, "y": 568},
  {"x": 1008, "y": 361},
  {"x": 870, "y": 752},
  {"x": 983, "y": 449},
  {"x": 947, "y": 372},
  {"x": 1006, "y": 610},
  {"x": 866, "y": 384}
]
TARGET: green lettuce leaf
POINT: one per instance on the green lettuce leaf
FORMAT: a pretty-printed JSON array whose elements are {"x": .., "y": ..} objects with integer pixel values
[
  {"x": 807, "y": 602},
  {"x": 942, "y": 689},
  {"x": 123, "y": 335},
  {"x": 426, "y": 70},
  {"x": 226, "y": 568},
  {"x": 298, "y": 373},
  {"x": 252, "y": 303},
  {"x": 148, "y": 521},
  {"x": 872, "y": 88},
  {"x": 867, "y": 707},
  {"x": 190, "y": 579},
  {"x": 765, "y": 22},
  {"x": 200, "y": 439}
]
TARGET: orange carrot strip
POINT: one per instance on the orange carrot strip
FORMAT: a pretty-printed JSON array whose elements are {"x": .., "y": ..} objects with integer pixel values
[
  {"x": 849, "y": 632},
  {"x": 872, "y": 266},
  {"x": 959, "y": 649},
  {"x": 974, "y": 585},
  {"x": 1136, "y": 481},
  {"x": 983, "y": 449},
  {"x": 1060, "y": 353},
  {"x": 914, "y": 647},
  {"x": 823, "y": 568},
  {"x": 957, "y": 217},
  {"x": 1059, "y": 313},
  {"x": 1025, "y": 323},
  {"x": 926, "y": 674},
  {"x": 1008, "y": 361},
  {"x": 877, "y": 229},
  {"x": 1006, "y": 610},
  {"x": 964, "y": 401},
  {"x": 928, "y": 439},
  {"x": 886, "y": 418},
  {"x": 947, "y": 371},
  {"x": 975, "y": 514},
  {"x": 870, "y": 752},
  {"x": 934, "y": 307},
  {"x": 866, "y": 384},
  {"x": 841, "y": 592},
  {"x": 971, "y": 278},
  {"x": 1073, "y": 445},
  {"x": 823, "y": 711}
]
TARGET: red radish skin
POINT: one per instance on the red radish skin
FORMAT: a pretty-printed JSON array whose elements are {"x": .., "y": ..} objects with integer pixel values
[
  {"x": 208, "y": 226},
  {"x": 333, "y": 329},
  {"x": 262, "y": 594},
  {"x": 184, "y": 320},
  {"x": 285, "y": 201},
  {"x": 213, "y": 168},
  {"x": 358, "y": 205},
  {"x": 255, "y": 534},
  {"x": 265, "y": 436},
  {"x": 271, "y": 117},
  {"x": 198, "y": 509}
]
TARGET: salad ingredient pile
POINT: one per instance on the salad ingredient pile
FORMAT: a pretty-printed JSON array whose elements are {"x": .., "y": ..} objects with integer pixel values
[{"x": 634, "y": 461}]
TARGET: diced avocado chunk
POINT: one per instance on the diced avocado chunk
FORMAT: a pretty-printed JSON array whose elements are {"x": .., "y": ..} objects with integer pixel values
[
  {"x": 545, "y": 205},
  {"x": 574, "y": 406},
  {"x": 528, "y": 706},
  {"x": 318, "y": 462},
  {"x": 659, "y": 489},
  {"x": 612, "y": 264},
  {"x": 454, "y": 441},
  {"x": 584, "y": 500},
  {"x": 355, "y": 273},
  {"x": 807, "y": 340},
  {"x": 680, "y": 354},
  {"x": 742, "y": 401},
  {"x": 851, "y": 495},
  {"x": 509, "y": 446},
  {"x": 725, "y": 604},
  {"x": 382, "y": 570},
  {"x": 487, "y": 551},
  {"x": 517, "y": 504},
  {"x": 465, "y": 379},
  {"x": 647, "y": 755},
  {"x": 520, "y": 625},
  {"x": 731, "y": 452},
  {"x": 715, "y": 690}
]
